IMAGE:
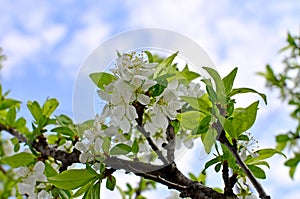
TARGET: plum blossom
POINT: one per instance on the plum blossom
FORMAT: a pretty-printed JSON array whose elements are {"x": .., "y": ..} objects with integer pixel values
[
  {"x": 129, "y": 65},
  {"x": 90, "y": 145},
  {"x": 33, "y": 179},
  {"x": 165, "y": 108}
]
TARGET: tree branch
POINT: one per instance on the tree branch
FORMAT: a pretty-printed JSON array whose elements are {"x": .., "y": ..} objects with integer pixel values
[
  {"x": 13, "y": 132},
  {"x": 233, "y": 149}
]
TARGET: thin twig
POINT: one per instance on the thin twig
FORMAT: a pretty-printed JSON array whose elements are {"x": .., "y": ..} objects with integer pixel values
[
  {"x": 152, "y": 144},
  {"x": 13, "y": 132}
]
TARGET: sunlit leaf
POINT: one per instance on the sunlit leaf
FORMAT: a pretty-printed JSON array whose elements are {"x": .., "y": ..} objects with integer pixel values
[
  {"x": 120, "y": 149},
  {"x": 247, "y": 90},
  {"x": 257, "y": 172},
  {"x": 101, "y": 79},
  {"x": 49, "y": 106},
  {"x": 110, "y": 182},
  {"x": 242, "y": 119},
  {"x": 19, "y": 159},
  {"x": 72, "y": 179},
  {"x": 228, "y": 80},
  {"x": 190, "y": 119}
]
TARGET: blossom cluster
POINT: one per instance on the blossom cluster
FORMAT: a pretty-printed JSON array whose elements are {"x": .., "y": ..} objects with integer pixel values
[
  {"x": 134, "y": 79},
  {"x": 33, "y": 182}
]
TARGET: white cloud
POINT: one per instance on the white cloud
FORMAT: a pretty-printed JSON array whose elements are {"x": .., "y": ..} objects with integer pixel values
[
  {"x": 18, "y": 48},
  {"x": 81, "y": 43}
]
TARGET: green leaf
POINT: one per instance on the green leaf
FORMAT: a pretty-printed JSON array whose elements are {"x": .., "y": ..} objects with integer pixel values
[
  {"x": 247, "y": 90},
  {"x": 72, "y": 179},
  {"x": 210, "y": 163},
  {"x": 49, "y": 170},
  {"x": 228, "y": 80},
  {"x": 161, "y": 85},
  {"x": 163, "y": 66},
  {"x": 19, "y": 159},
  {"x": 83, "y": 189},
  {"x": 263, "y": 154},
  {"x": 193, "y": 177},
  {"x": 220, "y": 89},
  {"x": 120, "y": 149},
  {"x": 49, "y": 107},
  {"x": 189, "y": 75},
  {"x": 291, "y": 40},
  {"x": 35, "y": 110},
  {"x": 292, "y": 163},
  {"x": 282, "y": 138},
  {"x": 106, "y": 144},
  {"x": 210, "y": 91},
  {"x": 64, "y": 120},
  {"x": 135, "y": 147},
  {"x": 190, "y": 119},
  {"x": 110, "y": 182},
  {"x": 93, "y": 192},
  {"x": 218, "y": 167},
  {"x": 201, "y": 104},
  {"x": 242, "y": 120},
  {"x": 203, "y": 126},
  {"x": 7, "y": 103},
  {"x": 209, "y": 139},
  {"x": 64, "y": 194},
  {"x": 11, "y": 117},
  {"x": 101, "y": 79},
  {"x": 63, "y": 130},
  {"x": 149, "y": 55},
  {"x": 257, "y": 172}
]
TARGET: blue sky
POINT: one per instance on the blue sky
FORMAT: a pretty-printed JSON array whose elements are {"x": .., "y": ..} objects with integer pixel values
[{"x": 47, "y": 41}]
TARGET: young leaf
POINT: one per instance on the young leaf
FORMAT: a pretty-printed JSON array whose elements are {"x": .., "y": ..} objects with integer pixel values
[
  {"x": 6, "y": 103},
  {"x": 135, "y": 147},
  {"x": 190, "y": 119},
  {"x": 164, "y": 65},
  {"x": 247, "y": 90},
  {"x": 220, "y": 89},
  {"x": 228, "y": 80},
  {"x": 63, "y": 130},
  {"x": 49, "y": 107},
  {"x": 210, "y": 163},
  {"x": 11, "y": 116},
  {"x": 110, "y": 182},
  {"x": 257, "y": 172},
  {"x": 209, "y": 139},
  {"x": 149, "y": 55},
  {"x": 120, "y": 149},
  {"x": 193, "y": 177},
  {"x": 101, "y": 79},
  {"x": 49, "y": 170},
  {"x": 210, "y": 90},
  {"x": 189, "y": 75},
  {"x": 64, "y": 120},
  {"x": 82, "y": 190},
  {"x": 203, "y": 126},
  {"x": 19, "y": 159},
  {"x": 243, "y": 119},
  {"x": 106, "y": 145},
  {"x": 263, "y": 154},
  {"x": 201, "y": 104},
  {"x": 72, "y": 179},
  {"x": 35, "y": 110}
]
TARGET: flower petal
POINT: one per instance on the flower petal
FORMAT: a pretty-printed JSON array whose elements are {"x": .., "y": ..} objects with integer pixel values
[
  {"x": 143, "y": 99},
  {"x": 131, "y": 112}
]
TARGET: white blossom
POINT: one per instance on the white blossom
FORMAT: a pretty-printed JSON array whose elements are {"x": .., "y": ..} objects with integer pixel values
[{"x": 30, "y": 179}]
